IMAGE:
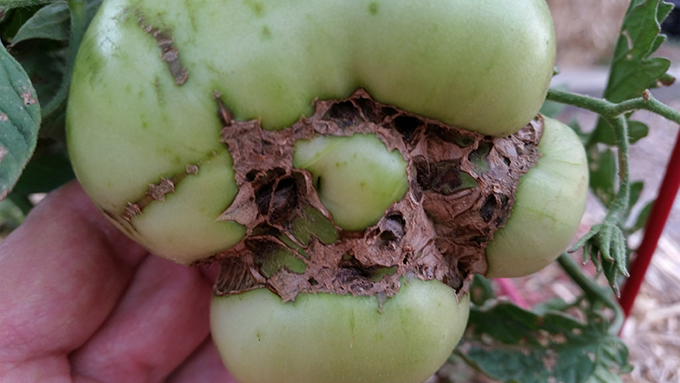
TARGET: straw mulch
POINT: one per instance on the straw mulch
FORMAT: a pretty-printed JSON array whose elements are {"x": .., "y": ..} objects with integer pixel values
[
  {"x": 586, "y": 30},
  {"x": 651, "y": 332}
]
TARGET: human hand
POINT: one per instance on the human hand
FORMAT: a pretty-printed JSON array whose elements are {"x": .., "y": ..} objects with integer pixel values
[{"x": 80, "y": 302}]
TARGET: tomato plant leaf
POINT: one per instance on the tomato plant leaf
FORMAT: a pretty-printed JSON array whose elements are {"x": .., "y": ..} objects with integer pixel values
[
  {"x": 631, "y": 73},
  {"x": 611, "y": 273},
  {"x": 45, "y": 64},
  {"x": 603, "y": 174},
  {"x": 583, "y": 136},
  {"x": 665, "y": 80},
  {"x": 516, "y": 345},
  {"x": 52, "y": 22},
  {"x": 553, "y": 109},
  {"x": 635, "y": 192},
  {"x": 556, "y": 304},
  {"x": 11, "y": 216},
  {"x": 22, "y": 3},
  {"x": 481, "y": 290},
  {"x": 636, "y": 131},
  {"x": 19, "y": 121},
  {"x": 44, "y": 173},
  {"x": 642, "y": 217},
  {"x": 14, "y": 19},
  {"x": 633, "y": 69}
]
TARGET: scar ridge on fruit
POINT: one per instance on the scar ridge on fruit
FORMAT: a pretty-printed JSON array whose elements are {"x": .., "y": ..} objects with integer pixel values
[
  {"x": 169, "y": 53},
  {"x": 461, "y": 189},
  {"x": 156, "y": 192}
]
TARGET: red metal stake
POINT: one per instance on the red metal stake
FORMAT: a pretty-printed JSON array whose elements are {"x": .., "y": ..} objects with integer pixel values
[
  {"x": 509, "y": 289},
  {"x": 655, "y": 225}
]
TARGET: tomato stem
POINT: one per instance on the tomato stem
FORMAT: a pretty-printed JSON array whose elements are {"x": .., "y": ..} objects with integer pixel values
[
  {"x": 620, "y": 203},
  {"x": 592, "y": 290},
  {"x": 609, "y": 110},
  {"x": 608, "y": 237}
]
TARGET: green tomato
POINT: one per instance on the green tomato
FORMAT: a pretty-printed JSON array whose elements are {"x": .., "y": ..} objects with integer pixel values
[
  {"x": 551, "y": 199},
  {"x": 134, "y": 120},
  {"x": 335, "y": 338},
  {"x": 481, "y": 65},
  {"x": 356, "y": 178}
]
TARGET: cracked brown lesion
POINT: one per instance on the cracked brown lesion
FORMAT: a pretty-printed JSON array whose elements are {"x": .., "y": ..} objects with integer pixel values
[
  {"x": 155, "y": 192},
  {"x": 169, "y": 52},
  {"x": 462, "y": 187}
]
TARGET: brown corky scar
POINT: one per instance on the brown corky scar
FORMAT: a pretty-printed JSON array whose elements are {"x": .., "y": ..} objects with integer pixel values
[{"x": 462, "y": 187}]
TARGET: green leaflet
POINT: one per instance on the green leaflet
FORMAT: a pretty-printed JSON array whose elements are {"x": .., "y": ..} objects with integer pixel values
[
  {"x": 632, "y": 71},
  {"x": 19, "y": 121},
  {"x": 52, "y": 22},
  {"x": 516, "y": 345}
]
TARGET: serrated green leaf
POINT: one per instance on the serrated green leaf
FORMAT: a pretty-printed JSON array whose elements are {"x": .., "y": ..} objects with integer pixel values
[
  {"x": 481, "y": 290},
  {"x": 602, "y": 375},
  {"x": 658, "y": 42},
  {"x": 45, "y": 64},
  {"x": 636, "y": 131},
  {"x": 14, "y": 19},
  {"x": 556, "y": 304},
  {"x": 44, "y": 173},
  {"x": 612, "y": 356},
  {"x": 665, "y": 80},
  {"x": 19, "y": 121},
  {"x": 632, "y": 69},
  {"x": 635, "y": 191},
  {"x": 583, "y": 136},
  {"x": 642, "y": 217},
  {"x": 50, "y": 22},
  {"x": 664, "y": 11},
  {"x": 514, "y": 345},
  {"x": 603, "y": 174},
  {"x": 10, "y": 215},
  {"x": 23, "y": 3},
  {"x": 551, "y": 109},
  {"x": 611, "y": 273},
  {"x": 633, "y": 77}
]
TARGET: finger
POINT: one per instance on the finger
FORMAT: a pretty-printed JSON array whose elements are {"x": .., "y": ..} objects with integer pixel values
[
  {"x": 204, "y": 365},
  {"x": 61, "y": 274},
  {"x": 161, "y": 320}
]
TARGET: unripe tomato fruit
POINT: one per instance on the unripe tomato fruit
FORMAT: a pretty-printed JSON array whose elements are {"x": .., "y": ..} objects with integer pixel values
[
  {"x": 145, "y": 142},
  {"x": 480, "y": 65},
  {"x": 339, "y": 339},
  {"x": 551, "y": 199}
]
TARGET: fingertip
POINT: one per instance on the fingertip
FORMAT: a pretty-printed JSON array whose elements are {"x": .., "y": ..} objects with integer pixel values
[{"x": 69, "y": 205}]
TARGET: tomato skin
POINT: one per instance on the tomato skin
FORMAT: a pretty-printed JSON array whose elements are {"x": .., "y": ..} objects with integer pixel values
[
  {"x": 551, "y": 199},
  {"x": 481, "y": 65},
  {"x": 360, "y": 177},
  {"x": 332, "y": 338}
]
